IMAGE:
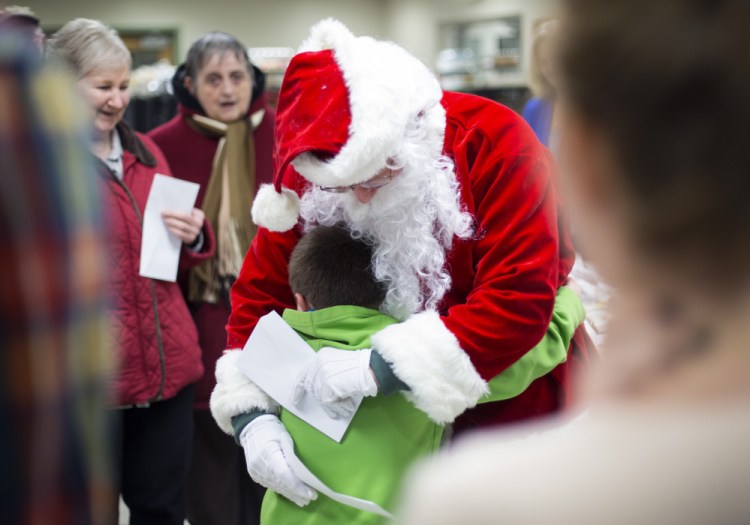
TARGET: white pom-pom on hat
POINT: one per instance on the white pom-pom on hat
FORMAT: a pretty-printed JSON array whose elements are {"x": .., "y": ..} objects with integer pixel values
[{"x": 276, "y": 211}]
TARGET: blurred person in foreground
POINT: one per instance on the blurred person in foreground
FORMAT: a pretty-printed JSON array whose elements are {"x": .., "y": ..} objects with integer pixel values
[
  {"x": 544, "y": 115},
  {"x": 156, "y": 339},
  {"x": 21, "y": 22},
  {"x": 54, "y": 357},
  {"x": 222, "y": 139},
  {"x": 657, "y": 158}
]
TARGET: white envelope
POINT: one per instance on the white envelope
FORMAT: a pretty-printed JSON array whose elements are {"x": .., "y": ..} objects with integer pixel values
[
  {"x": 160, "y": 250},
  {"x": 273, "y": 358}
]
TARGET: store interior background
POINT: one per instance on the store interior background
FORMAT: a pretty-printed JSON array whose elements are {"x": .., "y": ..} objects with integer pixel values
[{"x": 164, "y": 29}]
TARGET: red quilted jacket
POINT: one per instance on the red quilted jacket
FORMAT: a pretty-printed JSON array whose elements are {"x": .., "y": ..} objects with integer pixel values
[{"x": 155, "y": 337}]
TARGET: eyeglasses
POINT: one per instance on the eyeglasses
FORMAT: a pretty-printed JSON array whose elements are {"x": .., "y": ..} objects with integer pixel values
[{"x": 372, "y": 184}]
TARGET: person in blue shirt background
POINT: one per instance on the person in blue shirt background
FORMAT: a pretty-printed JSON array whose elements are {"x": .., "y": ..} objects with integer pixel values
[{"x": 539, "y": 111}]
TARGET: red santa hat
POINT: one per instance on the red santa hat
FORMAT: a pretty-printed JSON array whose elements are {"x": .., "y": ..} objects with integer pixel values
[{"x": 344, "y": 107}]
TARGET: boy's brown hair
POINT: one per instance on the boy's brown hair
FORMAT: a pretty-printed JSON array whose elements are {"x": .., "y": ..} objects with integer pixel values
[{"x": 330, "y": 268}]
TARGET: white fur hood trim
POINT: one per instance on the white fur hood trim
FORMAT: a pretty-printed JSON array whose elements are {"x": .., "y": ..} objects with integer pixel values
[
  {"x": 235, "y": 394},
  {"x": 426, "y": 356}
]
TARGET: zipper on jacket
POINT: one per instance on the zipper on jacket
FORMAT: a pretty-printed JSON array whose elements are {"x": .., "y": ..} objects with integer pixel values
[{"x": 154, "y": 305}]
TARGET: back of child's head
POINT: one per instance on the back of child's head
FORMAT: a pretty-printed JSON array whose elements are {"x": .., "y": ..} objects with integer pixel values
[{"x": 330, "y": 268}]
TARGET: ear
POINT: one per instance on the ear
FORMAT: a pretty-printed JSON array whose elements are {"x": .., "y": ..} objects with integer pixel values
[
  {"x": 188, "y": 83},
  {"x": 302, "y": 304}
]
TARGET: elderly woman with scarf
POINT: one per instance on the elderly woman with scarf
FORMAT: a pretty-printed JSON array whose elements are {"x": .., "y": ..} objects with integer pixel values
[{"x": 222, "y": 139}]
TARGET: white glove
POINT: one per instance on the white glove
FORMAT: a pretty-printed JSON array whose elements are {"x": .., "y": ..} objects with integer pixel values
[
  {"x": 338, "y": 379},
  {"x": 261, "y": 439}
]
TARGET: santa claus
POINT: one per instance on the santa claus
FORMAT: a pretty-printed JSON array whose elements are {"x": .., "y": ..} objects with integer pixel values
[{"x": 457, "y": 197}]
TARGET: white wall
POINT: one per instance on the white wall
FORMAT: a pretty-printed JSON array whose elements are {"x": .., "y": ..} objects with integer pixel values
[
  {"x": 255, "y": 22},
  {"x": 415, "y": 23},
  {"x": 411, "y": 23}
]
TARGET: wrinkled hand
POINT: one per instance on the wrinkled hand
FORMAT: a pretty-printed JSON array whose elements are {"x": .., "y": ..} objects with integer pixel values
[
  {"x": 261, "y": 440},
  {"x": 184, "y": 226},
  {"x": 337, "y": 379}
]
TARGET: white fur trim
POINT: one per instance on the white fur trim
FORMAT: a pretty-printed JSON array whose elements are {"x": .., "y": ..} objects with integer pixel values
[
  {"x": 327, "y": 34},
  {"x": 275, "y": 211},
  {"x": 235, "y": 394},
  {"x": 426, "y": 356},
  {"x": 388, "y": 88}
]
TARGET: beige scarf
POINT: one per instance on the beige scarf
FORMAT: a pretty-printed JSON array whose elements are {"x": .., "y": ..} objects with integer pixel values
[{"x": 229, "y": 195}]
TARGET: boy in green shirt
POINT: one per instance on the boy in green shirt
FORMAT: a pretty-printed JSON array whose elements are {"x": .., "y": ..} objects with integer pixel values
[{"x": 337, "y": 299}]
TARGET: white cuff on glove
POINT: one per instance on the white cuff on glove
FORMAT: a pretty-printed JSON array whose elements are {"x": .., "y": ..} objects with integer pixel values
[
  {"x": 338, "y": 379},
  {"x": 261, "y": 440},
  {"x": 235, "y": 394}
]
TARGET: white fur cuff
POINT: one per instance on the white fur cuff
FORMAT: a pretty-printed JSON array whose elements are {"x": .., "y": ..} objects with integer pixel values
[
  {"x": 235, "y": 394},
  {"x": 426, "y": 356}
]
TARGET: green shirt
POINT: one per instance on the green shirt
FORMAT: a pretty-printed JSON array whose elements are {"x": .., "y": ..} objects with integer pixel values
[
  {"x": 551, "y": 351},
  {"x": 388, "y": 433},
  {"x": 385, "y": 437}
]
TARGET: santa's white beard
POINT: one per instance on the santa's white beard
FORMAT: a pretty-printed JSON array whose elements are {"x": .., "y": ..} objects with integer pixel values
[{"x": 411, "y": 223}]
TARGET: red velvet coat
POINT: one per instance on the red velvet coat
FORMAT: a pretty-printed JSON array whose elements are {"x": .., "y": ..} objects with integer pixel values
[
  {"x": 504, "y": 279},
  {"x": 156, "y": 340},
  {"x": 190, "y": 155}
]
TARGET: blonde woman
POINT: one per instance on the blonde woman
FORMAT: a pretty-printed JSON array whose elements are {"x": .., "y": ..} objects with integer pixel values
[{"x": 157, "y": 342}]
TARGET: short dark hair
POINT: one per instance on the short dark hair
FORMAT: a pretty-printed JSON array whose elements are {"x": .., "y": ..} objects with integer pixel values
[
  {"x": 214, "y": 43},
  {"x": 330, "y": 268},
  {"x": 667, "y": 85}
]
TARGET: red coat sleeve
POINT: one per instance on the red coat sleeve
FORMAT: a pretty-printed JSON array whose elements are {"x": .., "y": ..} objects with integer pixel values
[
  {"x": 514, "y": 258},
  {"x": 263, "y": 284}
]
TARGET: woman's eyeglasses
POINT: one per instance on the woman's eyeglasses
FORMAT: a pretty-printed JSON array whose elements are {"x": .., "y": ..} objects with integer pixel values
[{"x": 372, "y": 184}]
